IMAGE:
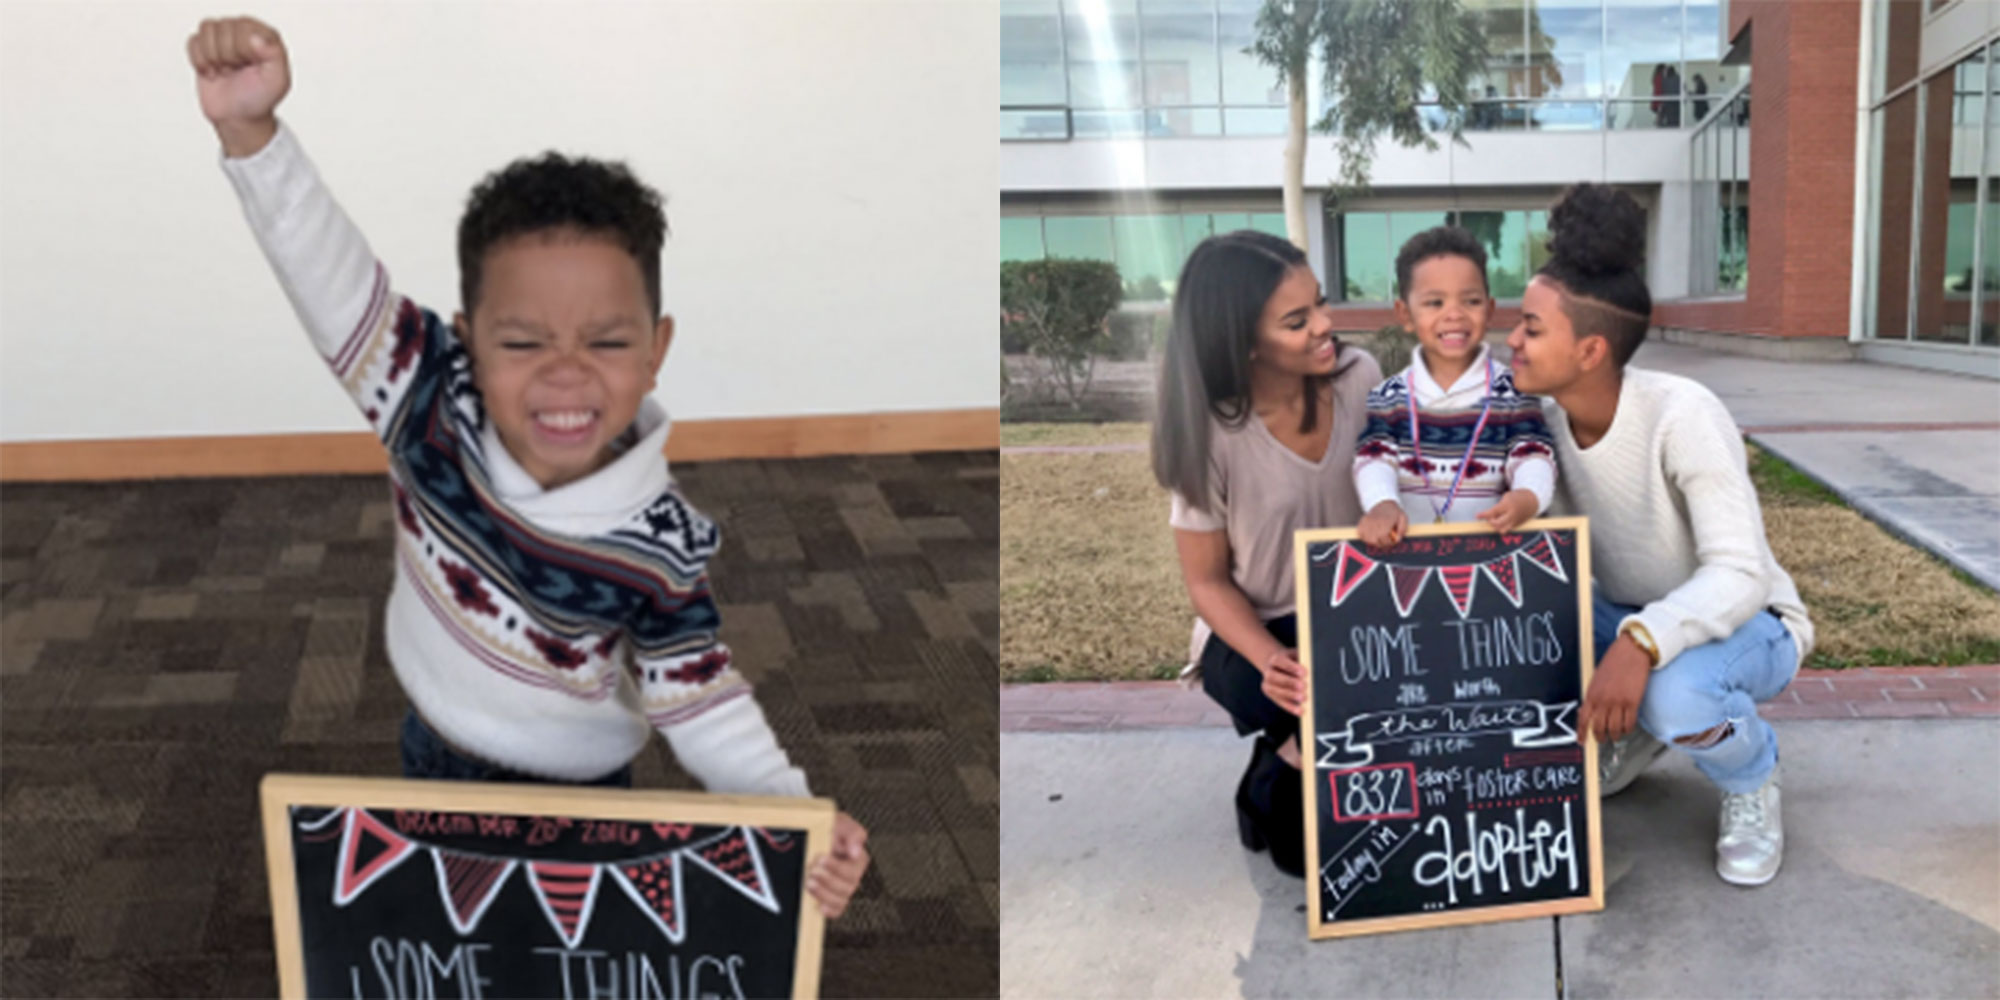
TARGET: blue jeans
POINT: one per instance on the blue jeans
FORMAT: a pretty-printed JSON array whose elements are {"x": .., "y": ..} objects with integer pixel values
[
  {"x": 427, "y": 755},
  {"x": 1712, "y": 684}
]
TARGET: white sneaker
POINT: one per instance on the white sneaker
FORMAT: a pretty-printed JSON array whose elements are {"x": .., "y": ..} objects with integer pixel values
[
  {"x": 1620, "y": 761},
  {"x": 1752, "y": 844}
]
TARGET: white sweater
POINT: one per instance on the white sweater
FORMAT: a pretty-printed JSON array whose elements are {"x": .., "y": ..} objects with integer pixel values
[
  {"x": 548, "y": 631},
  {"x": 1675, "y": 524}
]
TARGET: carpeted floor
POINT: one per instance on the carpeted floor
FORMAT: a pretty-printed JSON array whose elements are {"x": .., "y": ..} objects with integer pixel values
[{"x": 166, "y": 644}]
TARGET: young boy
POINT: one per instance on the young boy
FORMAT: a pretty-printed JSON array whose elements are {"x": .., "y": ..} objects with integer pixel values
[
  {"x": 551, "y": 598},
  {"x": 1448, "y": 438}
]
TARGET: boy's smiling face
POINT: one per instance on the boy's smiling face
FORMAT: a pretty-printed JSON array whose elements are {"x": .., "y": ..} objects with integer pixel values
[
  {"x": 564, "y": 349},
  {"x": 1447, "y": 307}
]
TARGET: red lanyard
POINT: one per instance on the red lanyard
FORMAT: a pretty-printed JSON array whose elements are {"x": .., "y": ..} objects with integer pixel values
[{"x": 1417, "y": 446}]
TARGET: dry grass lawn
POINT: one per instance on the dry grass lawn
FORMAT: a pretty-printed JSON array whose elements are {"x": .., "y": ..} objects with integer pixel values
[
  {"x": 1090, "y": 590},
  {"x": 1875, "y": 600},
  {"x": 1012, "y": 435}
]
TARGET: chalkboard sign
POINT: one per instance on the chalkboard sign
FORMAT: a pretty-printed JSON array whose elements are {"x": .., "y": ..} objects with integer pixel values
[
  {"x": 437, "y": 890},
  {"x": 1449, "y": 784}
]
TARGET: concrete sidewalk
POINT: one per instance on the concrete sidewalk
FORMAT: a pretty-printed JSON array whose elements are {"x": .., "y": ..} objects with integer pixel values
[
  {"x": 1120, "y": 875},
  {"x": 1917, "y": 452}
]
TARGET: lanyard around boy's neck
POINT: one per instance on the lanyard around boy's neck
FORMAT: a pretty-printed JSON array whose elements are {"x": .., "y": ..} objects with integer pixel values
[{"x": 1417, "y": 444}]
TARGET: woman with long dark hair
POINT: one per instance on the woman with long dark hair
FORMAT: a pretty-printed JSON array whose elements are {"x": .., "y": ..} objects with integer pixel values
[
  {"x": 1259, "y": 411},
  {"x": 1695, "y": 620}
]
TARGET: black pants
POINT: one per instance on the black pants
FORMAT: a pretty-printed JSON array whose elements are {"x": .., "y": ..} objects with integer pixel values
[
  {"x": 1237, "y": 685},
  {"x": 427, "y": 755},
  {"x": 1269, "y": 808}
]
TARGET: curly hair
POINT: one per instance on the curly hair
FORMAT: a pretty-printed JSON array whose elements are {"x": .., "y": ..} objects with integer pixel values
[
  {"x": 1597, "y": 255},
  {"x": 1438, "y": 241},
  {"x": 553, "y": 192}
]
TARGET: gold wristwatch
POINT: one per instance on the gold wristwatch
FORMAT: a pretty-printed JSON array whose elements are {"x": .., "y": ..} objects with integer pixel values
[{"x": 1636, "y": 631}]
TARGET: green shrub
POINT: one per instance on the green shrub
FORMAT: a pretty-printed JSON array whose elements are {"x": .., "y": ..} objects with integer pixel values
[
  {"x": 1136, "y": 334},
  {"x": 1059, "y": 310},
  {"x": 1011, "y": 341}
]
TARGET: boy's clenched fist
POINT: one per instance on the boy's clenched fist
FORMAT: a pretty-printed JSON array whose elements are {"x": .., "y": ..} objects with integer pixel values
[{"x": 241, "y": 75}]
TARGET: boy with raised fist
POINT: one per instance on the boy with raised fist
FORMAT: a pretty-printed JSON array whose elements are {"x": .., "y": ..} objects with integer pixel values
[{"x": 551, "y": 605}]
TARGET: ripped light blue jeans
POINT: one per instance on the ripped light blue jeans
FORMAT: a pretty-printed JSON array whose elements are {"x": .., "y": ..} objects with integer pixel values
[{"x": 1712, "y": 684}]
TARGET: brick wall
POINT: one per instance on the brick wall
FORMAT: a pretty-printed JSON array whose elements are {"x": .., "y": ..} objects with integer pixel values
[{"x": 1803, "y": 80}]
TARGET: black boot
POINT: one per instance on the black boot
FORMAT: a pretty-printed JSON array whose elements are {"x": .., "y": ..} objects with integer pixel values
[
  {"x": 1270, "y": 811},
  {"x": 1286, "y": 829},
  {"x": 1249, "y": 812}
]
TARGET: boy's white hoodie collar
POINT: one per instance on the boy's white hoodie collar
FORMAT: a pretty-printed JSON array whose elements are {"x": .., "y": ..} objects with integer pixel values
[
  {"x": 599, "y": 501},
  {"x": 1426, "y": 389}
]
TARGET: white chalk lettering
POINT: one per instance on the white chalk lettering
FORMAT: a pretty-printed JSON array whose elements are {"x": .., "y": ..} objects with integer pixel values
[
  {"x": 729, "y": 969},
  {"x": 604, "y": 975},
  {"x": 1494, "y": 643},
  {"x": 1374, "y": 647},
  {"x": 1477, "y": 688},
  {"x": 1361, "y": 861},
  {"x": 1549, "y": 777},
  {"x": 1537, "y": 853},
  {"x": 1438, "y": 746},
  {"x": 413, "y": 970},
  {"x": 1495, "y": 783}
]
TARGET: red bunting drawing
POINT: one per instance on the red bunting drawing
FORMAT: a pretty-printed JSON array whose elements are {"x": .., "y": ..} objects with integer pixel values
[
  {"x": 734, "y": 857},
  {"x": 1408, "y": 582},
  {"x": 656, "y": 886},
  {"x": 385, "y": 849},
  {"x": 1348, "y": 573},
  {"x": 1501, "y": 571},
  {"x": 1458, "y": 582},
  {"x": 567, "y": 893},
  {"x": 469, "y": 883},
  {"x": 1539, "y": 552}
]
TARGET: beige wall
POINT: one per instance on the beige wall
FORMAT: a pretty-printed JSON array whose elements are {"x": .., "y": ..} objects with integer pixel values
[{"x": 828, "y": 166}]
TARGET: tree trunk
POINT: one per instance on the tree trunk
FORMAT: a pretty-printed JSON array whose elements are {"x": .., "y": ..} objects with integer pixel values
[
  {"x": 1295, "y": 166},
  {"x": 1295, "y": 133}
]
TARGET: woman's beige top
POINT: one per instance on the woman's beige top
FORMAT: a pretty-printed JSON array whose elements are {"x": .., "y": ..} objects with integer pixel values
[{"x": 1261, "y": 491}]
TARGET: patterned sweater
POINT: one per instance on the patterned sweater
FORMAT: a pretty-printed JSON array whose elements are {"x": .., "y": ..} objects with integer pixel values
[
  {"x": 548, "y": 631},
  {"x": 1514, "y": 450}
]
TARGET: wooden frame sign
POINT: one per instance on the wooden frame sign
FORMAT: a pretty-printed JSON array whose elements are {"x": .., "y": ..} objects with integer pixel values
[
  {"x": 1444, "y": 675},
  {"x": 444, "y": 889}
]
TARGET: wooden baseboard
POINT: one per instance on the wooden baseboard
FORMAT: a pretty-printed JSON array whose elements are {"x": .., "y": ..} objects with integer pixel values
[{"x": 358, "y": 452}]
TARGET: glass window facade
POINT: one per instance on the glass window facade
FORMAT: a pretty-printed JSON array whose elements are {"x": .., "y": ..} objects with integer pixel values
[
  {"x": 1021, "y": 239},
  {"x": 1933, "y": 226},
  {"x": 1719, "y": 152},
  {"x": 1134, "y": 68},
  {"x": 1600, "y": 64},
  {"x": 1565, "y": 47},
  {"x": 1034, "y": 88},
  {"x": 1516, "y": 244},
  {"x": 1148, "y": 248},
  {"x": 1167, "y": 68},
  {"x": 1898, "y": 33}
]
